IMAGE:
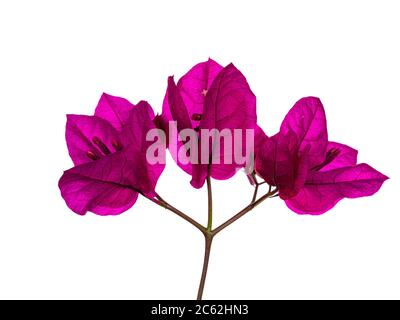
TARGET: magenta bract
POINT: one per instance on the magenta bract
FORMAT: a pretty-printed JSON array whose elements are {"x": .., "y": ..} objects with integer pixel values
[
  {"x": 312, "y": 174},
  {"x": 109, "y": 151},
  {"x": 209, "y": 97}
]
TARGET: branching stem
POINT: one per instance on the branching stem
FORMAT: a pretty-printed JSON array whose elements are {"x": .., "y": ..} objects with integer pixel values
[{"x": 208, "y": 232}]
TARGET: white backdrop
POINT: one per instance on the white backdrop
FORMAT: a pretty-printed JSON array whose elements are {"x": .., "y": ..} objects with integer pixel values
[{"x": 58, "y": 57}]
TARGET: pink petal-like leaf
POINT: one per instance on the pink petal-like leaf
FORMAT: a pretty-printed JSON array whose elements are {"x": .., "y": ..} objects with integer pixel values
[
  {"x": 229, "y": 104},
  {"x": 194, "y": 85},
  {"x": 83, "y": 194},
  {"x": 113, "y": 166},
  {"x": 174, "y": 109},
  {"x": 323, "y": 190},
  {"x": 307, "y": 120},
  {"x": 81, "y": 132},
  {"x": 138, "y": 124},
  {"x": 279, "y": 163},
  {"x": 176, "y": 106},
  {"x": 94, "y": 186},
  {"x": 343, "y": 156},
  {"x": 184, "y": 102},
  {"x": 114, "y": 109}
]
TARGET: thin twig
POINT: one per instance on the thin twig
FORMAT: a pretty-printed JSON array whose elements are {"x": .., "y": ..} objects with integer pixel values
[
  {"x": 210, "y": 204},
  {"x": 207, "y": 251},
  {"x": 208, "y": 239},
  {"x": 255, "y": 194},
  {"x": 161, "y": 202},
  {"x": 243, "y": 212}
]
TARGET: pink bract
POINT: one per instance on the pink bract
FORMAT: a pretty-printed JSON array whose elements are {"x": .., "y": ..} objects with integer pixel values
[
  {"x": 109, "y": 151},
  {"x": 210, "y": 97},
  {"x": 312, "y": 174}
]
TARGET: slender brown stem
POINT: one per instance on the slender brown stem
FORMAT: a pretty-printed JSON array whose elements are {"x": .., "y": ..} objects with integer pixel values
[
  {"x": 208, "y": 239},
  {"x": 257, "y": 185},
  {"x": 161, "y": 202},
  {"x": 255, "y": 194},
  {"x": 241, "y": 213},
  {"x": 210, "y": 204},
  {"x": 208, "y": 232},
  {"x": 207, "y": 251}
]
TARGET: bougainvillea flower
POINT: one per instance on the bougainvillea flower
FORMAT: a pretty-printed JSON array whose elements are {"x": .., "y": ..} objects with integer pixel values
[
  {"x": 109, "y": 153},
  {"x": 209, "y": 97},
  {"x": 311, "y": 173}
]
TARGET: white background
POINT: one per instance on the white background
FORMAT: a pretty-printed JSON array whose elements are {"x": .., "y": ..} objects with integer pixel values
[{"x": 57, "y": 57}]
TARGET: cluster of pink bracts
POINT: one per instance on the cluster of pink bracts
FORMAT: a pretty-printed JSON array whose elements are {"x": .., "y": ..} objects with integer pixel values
[{"x": 108, "y": 149}]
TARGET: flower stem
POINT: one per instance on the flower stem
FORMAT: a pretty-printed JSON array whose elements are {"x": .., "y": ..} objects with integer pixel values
[
  {"x": 208, "y": 239},
  {"x": 207, "y": 251},
  {"x": 208, "y": 232},
  {"x": 241, "y": 213},
  {"x": 161, "y": 202},
  {"x": 255, "y": 194},
  {"x": 210, "y": 204}
]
